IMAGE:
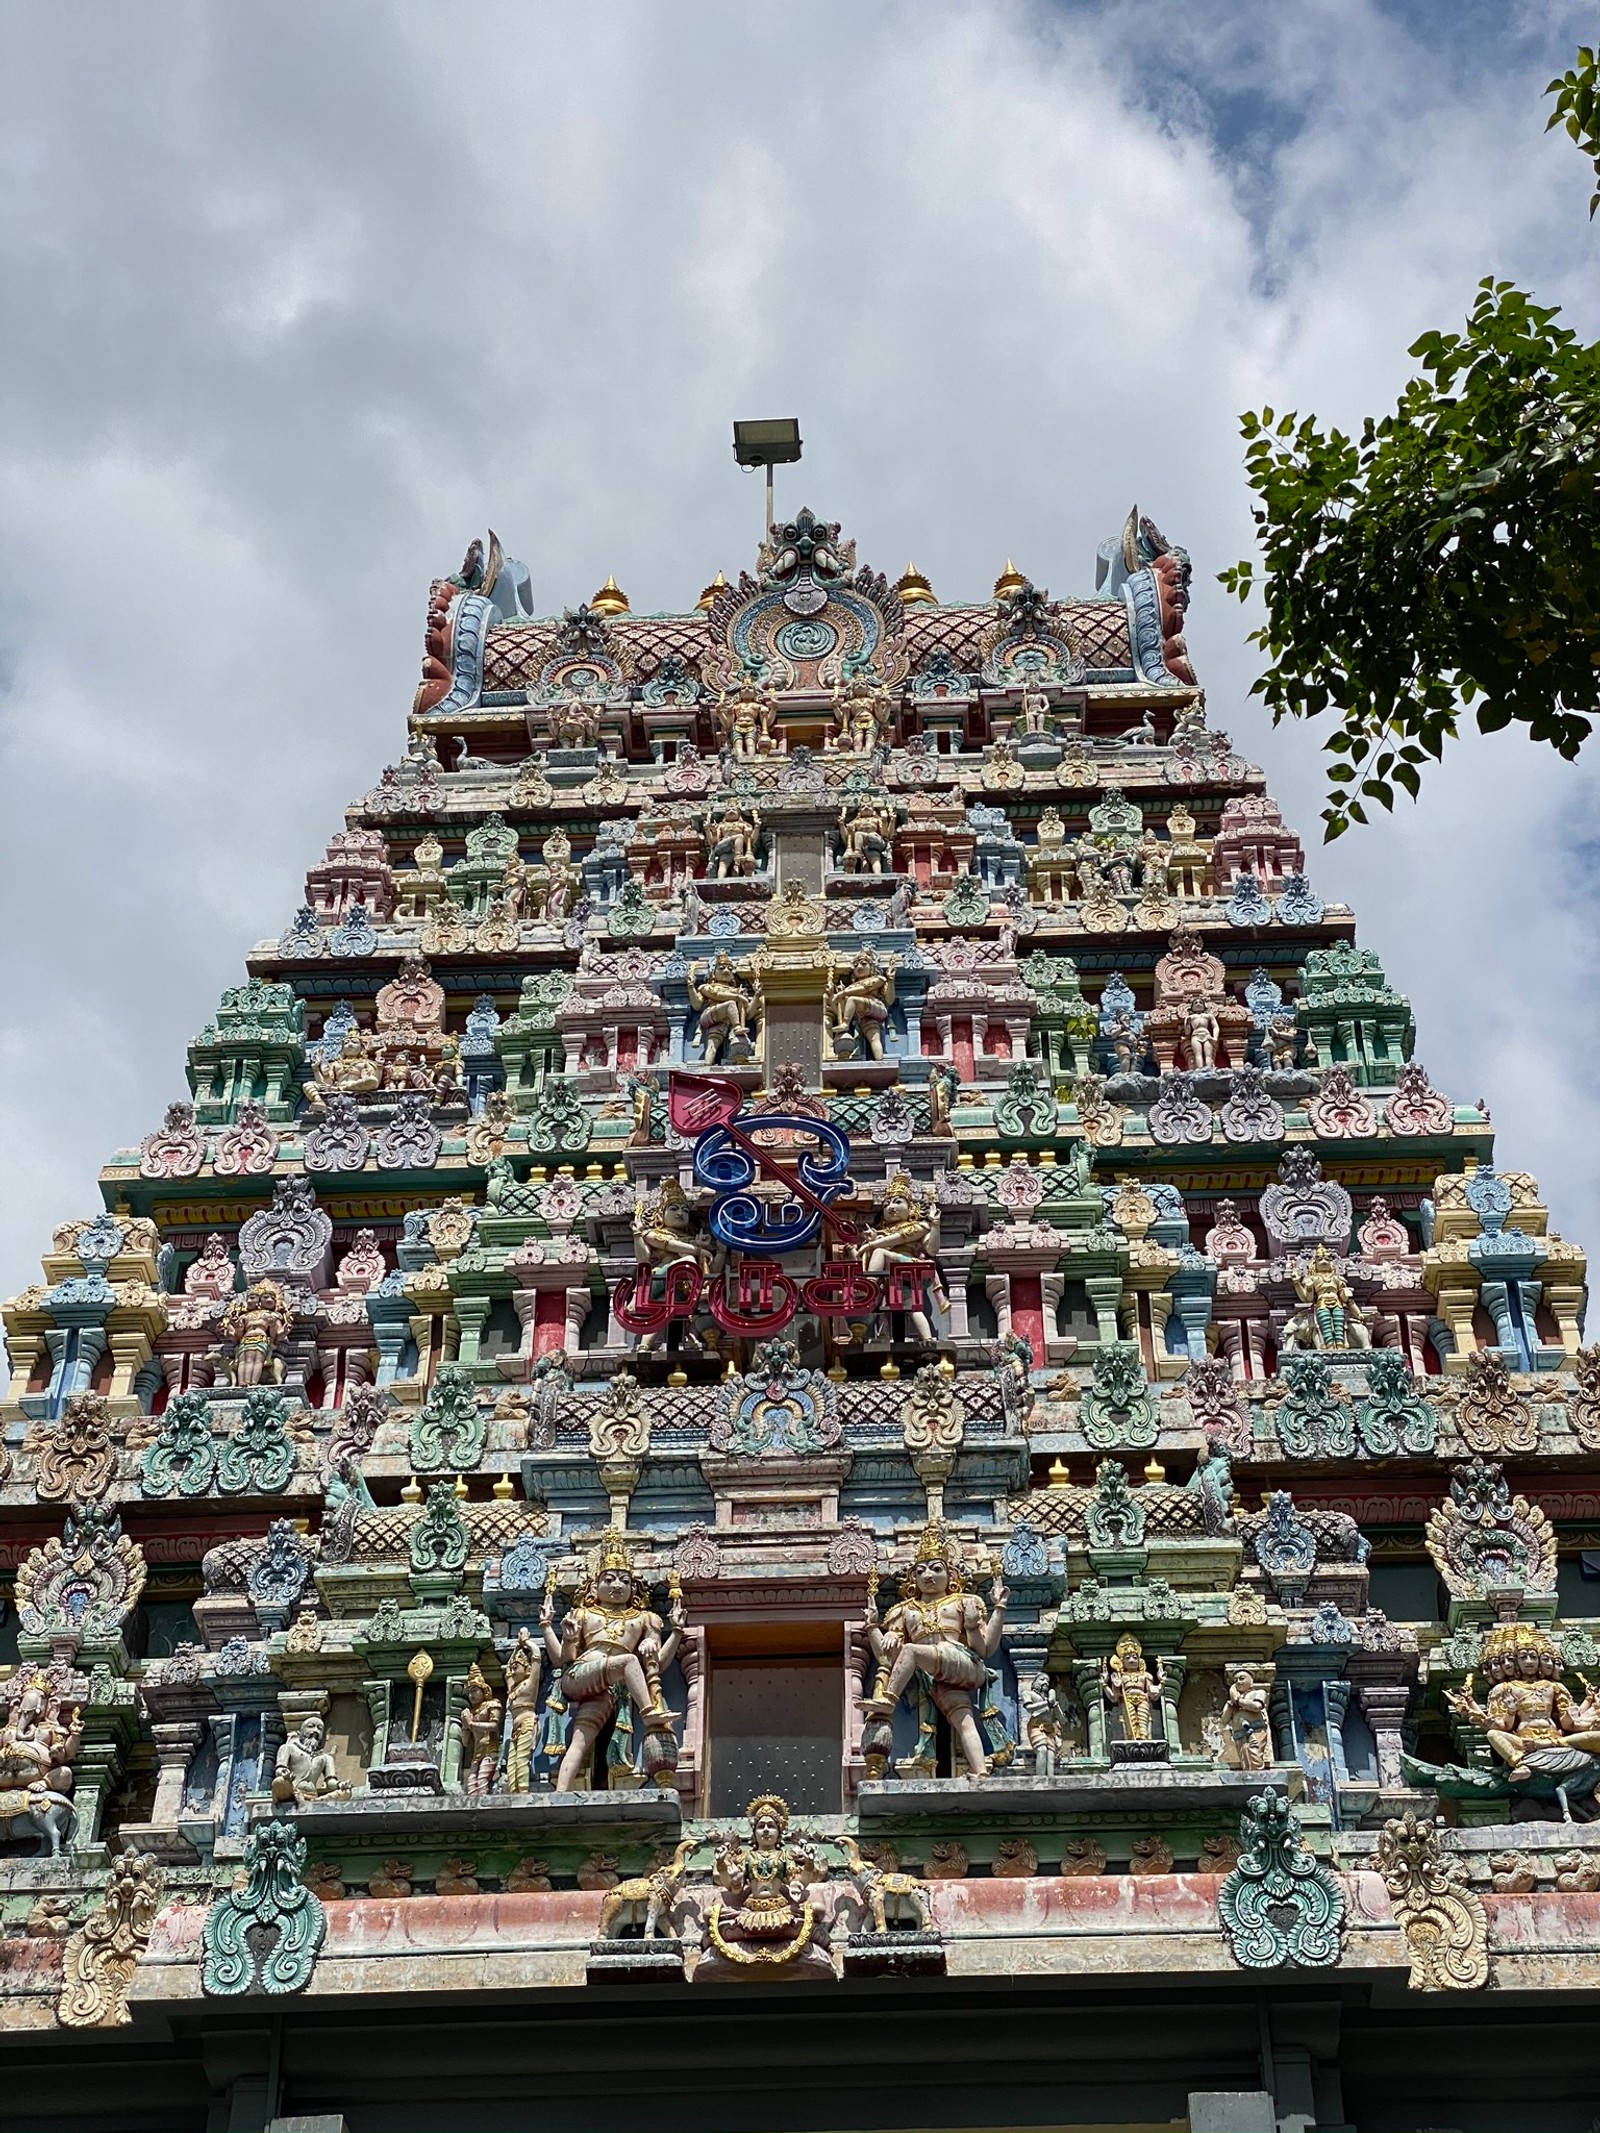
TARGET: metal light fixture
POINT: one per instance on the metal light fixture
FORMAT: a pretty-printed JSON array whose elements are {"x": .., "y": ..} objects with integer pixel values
[{"x": 769, "y": 444}]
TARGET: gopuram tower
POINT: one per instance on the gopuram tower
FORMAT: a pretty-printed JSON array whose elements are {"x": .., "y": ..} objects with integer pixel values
[{"x": 811, "y": 1420}]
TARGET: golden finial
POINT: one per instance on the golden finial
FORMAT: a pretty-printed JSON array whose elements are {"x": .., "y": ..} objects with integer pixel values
[
  {"x": 610, "y": 599},
  {"x": 914, "y": 589},
  {"x": 1058, "y": 1476},
  {"x": 412, "y": 1492},
  {"x": 1009, "y": 581},
  {"x": 1154, "y": 1470},
  {"x": 503, "y": 1489},
  {"x": 718, "y": 584},
  {"x": 461, "y": 1489}
]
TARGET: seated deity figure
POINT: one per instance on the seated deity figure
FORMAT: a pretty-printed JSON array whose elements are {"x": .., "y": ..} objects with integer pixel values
[
  {"x": 352, "y": 1071},
  {"x": 1533, "y": 1721},
  {"x": 730, "y": 841},
  {"x": 762, "y": 1888},
  {"x": 574, "y": 722},
  {"x": 726, "y": 1004},
  {"x": 304, "y": 1770},
  {"x": 1246, "y": 1727},
  {"x": 479, "y": 1729},
  {"x": 257, "y": 1323},
  {"x": 38, "y": 1745},
  {"x": 1130, "y": 1688},
  {"x": 945, "y": 1634},
  {"x": 857, "y": 1004},
  {"x": 866, "y": 834},
  {"x": 745, "y": 717},
  {"x": 1336, "y": 1320},
  {"x": 903, "y": 1230},
  {"x": 612, "y": 1651}
]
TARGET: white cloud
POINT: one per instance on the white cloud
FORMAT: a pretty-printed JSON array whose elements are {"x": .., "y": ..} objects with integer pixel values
[{"x": 298, "y": 299}]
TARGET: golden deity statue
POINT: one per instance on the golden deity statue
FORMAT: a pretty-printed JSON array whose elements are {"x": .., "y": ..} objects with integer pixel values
[
  {"x": 857, "y": 1002},
  {"x": 1332, "y": 1316},
  {"x": 524, "y": 1667},
  {"x": 612, "y": 1651},
  {"x": 726, "y": 1004},
  {"x": 1529, "y": 1708},
  {"x": 479, "y": 1730},
  {"x": 945, "y": 1634},
  {"x": 37, "y": 1742},
  {"x": 762, "y": 1912},
  {"x": 1130, "y": 1688}
]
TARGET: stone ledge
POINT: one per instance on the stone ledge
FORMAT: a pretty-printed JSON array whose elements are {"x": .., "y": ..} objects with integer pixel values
[
  {"x": 1152, "y": 1786},
  {"x": 638, "y": 1817}
]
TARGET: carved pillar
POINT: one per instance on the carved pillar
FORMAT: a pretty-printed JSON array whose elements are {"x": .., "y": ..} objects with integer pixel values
[
  {"x": 176, "y": 1743},
  {"x": 1385, "y": 1708},
  {"x": 1086, "y": 1673},
  {"x": 1105, "y": 1294}
]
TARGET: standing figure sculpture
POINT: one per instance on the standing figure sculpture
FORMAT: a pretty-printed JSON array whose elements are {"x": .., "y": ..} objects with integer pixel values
[
  {"x": 1246, "y": 1726},
  {"x": 730, "y": 841},
  {"x": 904, "y": 1231},
  {"x": 612, "y": 1651},
  {"x": 861, "y": 715},
  {"x": 524, "y": 1666},
  {"x": 866, "y": 833},
  {"x": 745, "y": 717},
  {"x": 1335, "y": 1318},
  {"x": 1130, "y": 1688},
  {"x": 478, "y": 1728},
  {"x": 257, "y": 1323},
  {"x": 726, "y": 1005},
  {"x": 857, "y": 1004},
  {"x": 944, "y": 1634}
]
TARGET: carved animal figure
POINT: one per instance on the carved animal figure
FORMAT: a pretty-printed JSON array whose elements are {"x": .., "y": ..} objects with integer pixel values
[
  {"x": 49, "y": 1815},
  {"x": 646, "y": 1899},
  {"x": 883, "y": 1890}
]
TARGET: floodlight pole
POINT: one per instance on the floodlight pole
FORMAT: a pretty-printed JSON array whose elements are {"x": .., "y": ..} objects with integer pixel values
[{"x": 767, "y": 528}]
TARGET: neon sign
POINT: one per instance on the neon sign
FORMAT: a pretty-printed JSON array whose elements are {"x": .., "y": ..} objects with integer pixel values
[{"x": 749, "y": 1294}]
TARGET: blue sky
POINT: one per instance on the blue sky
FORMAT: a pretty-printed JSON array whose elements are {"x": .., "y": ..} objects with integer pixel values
[{"x": 298, "y": 299}]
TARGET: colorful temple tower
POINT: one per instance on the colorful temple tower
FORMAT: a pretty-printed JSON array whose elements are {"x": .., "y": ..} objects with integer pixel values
[{"x": 811, "y": 1331}]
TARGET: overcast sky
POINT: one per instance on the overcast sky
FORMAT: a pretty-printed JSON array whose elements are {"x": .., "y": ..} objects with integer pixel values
[{"x": 298, "y": 298}]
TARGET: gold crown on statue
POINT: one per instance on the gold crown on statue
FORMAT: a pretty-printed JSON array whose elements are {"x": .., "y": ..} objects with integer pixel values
[
  {"x": 1504, "y": 1643},
  {"x": 768, "y": 1803},
  {"x": 939, "y": 1545},
  {"x": 612, "y": 1554}
]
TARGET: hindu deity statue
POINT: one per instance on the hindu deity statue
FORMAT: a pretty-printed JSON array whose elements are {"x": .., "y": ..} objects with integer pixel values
[
  {"x": 762, "y": 1912},
  {"x": 1534, "y": 1723},
  {"x": 745, "y": 717},
  {"x": 1282, "y": 1042},
  {"x": 904, "y": 1230},
  {"x": 861, "y": 715},
  {"x": 943, "y": 1082},
  {"x": 943, "y": 1633},
  {"x": 1034, "y": 714},
  {"x": 857, "y": 1003},
  {"x": 665, "y": 1233},
  {"x": 726, "y": 1004},
  {"x": 38, "y": 1742},
  {"x": 574, "y": 722},
  {"x": 1130, "y": 1688},
  {"x": 304, "y": 1770},
  {"x": 866, "y": 835},
  {"x": 257, "y": 1323},
  {"x": 524, "y": 1668},
  {"x": 731, "y": 839},
  {"x": 612, "y": 1651},
  {"x": 1246, "y": 1726},
  {"x": 1201, "y": 1030},
  {"x": 352, "y": 1071},
  {"x": 550, "y": 889},
  {"x": 479, "y": 1730},
  {"x": 1332, "y": 1314}
]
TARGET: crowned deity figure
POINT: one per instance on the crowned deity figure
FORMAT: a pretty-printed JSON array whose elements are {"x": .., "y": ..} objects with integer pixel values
[
  {"x": 665, "y": 1235},
  {"x": 612, "y": 1651},
  {"x": 1534, "y": 1723},
  {"x": 762, "y": 1912},
  {"x": 37, "y": 1742},
  {"x": 857, "y": 1003},
  {"x": 903, "y": 1231},
  {"x": 550, "y": 889},
  {"x": 861, "y": 715},
  {"x": 730, "y": 840},
  {"x": 1130, "y": 1688},
  {"x": 478, "y": 1728},
  {"x": 943, "y": 1634},
  {"x": 257, "y": 1323},
  {"x": 1034, "y": 714},
  {"x": 1331, "y": 1309},
  {"x": 745, "y": 717},
  {"x": 352, "y": 1071},
  {"x": 726, "y": 1005},
  {"x": 866, "y": 836}
]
